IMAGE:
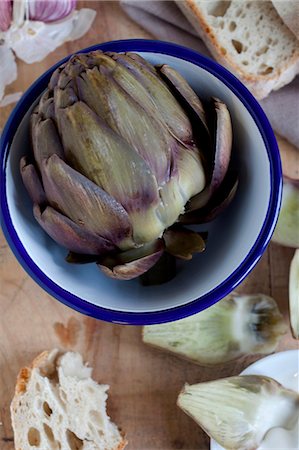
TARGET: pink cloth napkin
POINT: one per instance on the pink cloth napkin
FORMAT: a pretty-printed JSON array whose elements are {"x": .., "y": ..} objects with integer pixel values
[{"x": 165, "y": 21}]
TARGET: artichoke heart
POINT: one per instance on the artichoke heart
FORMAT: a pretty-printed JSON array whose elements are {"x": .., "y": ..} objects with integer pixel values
[
  {"x": 121, "y": 149},
  {"x": 238, "y": 412},
  {"x": 235, "y": 326}
]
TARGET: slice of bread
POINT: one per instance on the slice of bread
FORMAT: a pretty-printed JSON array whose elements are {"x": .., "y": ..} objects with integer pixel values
[
  {"x": 289, "y": 12},
  {"x": 57, "y": 406},
  {"x": 249, "y": 38}
]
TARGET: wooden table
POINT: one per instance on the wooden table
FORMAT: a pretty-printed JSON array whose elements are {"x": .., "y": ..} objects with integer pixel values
[{"x": 144, "y": 382}]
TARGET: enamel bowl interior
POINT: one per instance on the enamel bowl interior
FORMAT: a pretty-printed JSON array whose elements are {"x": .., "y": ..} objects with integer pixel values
[{"x": 199, "y": 282}]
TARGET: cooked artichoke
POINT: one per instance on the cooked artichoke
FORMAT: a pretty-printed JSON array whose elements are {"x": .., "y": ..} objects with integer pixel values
[
  {"x": 123, "y": 150},
  {"x": 235, "y": 326},
  {"x": 294, "y": 294},
  {"x": 287, "y": 229},
  {"x": 238, "y": 412}
]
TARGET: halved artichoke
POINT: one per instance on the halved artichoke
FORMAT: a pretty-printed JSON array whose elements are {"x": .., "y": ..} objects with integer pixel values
[
  {"x": 287, "y": 229},
  {"x": 294, "y": 294},
  {"x": 238, "y": 412},
  {"x": 121, "y": 150},
  {"x": 235, "y": 326}
]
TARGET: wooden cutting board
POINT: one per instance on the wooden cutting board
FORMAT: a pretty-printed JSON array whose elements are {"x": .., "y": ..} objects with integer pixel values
[{"x": 144, "y": 382}]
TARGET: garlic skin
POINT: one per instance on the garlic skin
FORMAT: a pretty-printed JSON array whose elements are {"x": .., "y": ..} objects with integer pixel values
[
  {"x": 34, "y": 40},
  {"x": 235, "y": 326},
  {"x": 294, "y": 294},
  {"x": 8, "y": 72},
  {"x": 237, "y": 412}
]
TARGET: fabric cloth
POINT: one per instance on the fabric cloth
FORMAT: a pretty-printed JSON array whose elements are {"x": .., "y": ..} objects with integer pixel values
[{"x": 165, "y": 21}]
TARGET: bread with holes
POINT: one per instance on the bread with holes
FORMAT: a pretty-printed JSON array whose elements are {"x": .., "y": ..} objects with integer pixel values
[
  {"x": 249, "y": 38},
  {"x": 58, "y": 406},
  {"x": 289, "y": 12}
]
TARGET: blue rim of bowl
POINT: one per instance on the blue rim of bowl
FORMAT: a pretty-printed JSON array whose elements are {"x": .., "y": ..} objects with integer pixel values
[{"x": 231, "y": 282}]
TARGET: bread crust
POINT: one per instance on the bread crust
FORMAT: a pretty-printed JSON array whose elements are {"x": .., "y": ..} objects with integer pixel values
[
  {"x": 260, "y": 85},
  {"x": 46, "y": 362}
]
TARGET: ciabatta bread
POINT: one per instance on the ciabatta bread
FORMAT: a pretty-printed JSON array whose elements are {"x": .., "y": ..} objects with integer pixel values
[
  {"x": 249, "y": 38},
  {"x": 57, "y": 406}
]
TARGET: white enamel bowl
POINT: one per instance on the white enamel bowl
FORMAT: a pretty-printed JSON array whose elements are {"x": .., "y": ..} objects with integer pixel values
[{"x": 236, "y": 240}]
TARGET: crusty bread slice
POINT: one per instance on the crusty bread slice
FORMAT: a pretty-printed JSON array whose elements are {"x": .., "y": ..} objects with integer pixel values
[
  {"x": 289, "y": 12},
  {"x": 57, "y": 406},
  {"x": 249, "y": 38}
]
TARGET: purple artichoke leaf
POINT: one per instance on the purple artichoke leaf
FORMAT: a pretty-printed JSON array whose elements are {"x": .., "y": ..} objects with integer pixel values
[
  {"x": 70, "y": 235},
  {"x": 32, "y": 182},
  {"x": 55, "y": 76},
  {"x": 185, "y": 94},
  {"x": 129, "y": 119},
  {"x": 183, "y": 243},
  {"x": 222, "y": 154},
  {"x": 223, "y": 143},
  {"x": 45, "y": 140},
  {"x": 46, "y": 106},
  {"x": 168, "y": 107},
  {"x": 85, "y": 203},
  {"x": 106, "y": 159},
  {"x": 133, "y": 263},
  {"x": 138, "y": 59}
]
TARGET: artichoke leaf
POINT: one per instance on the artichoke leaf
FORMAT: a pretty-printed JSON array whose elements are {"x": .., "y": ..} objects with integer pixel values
[
  {"x": 32, "y": 182},
  {"x": 294, "y": 294},
  {"x": 129, "y": 119},
  {"x": 55, "y": 76},
  {"x": 223, "y": 147},
  {"x": 180, "y": 85},
  {"x": 45, "y": 108},
  {"x": 85, "y": 203},
  {"x": 70, "y": 235},
  {"x": 45, "y": 139},
  {"x": 170, "y": 109},
  {"x": 187, "y": 179},
  {"x": 182, "y": 243},
  {"x": 237, "y": 412},
  {"x": 133, "y": 87},
  {"x": 133, "y": 263},
  {"x": 105, "y": 158},
  {"x": 138, "y": 59},
  {"x": 235, "y": 326}
]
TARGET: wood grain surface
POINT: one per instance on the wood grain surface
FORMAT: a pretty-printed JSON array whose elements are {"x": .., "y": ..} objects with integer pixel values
[{"x": 144, "y": 382}]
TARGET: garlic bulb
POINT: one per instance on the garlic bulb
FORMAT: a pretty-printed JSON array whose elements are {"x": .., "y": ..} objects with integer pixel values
[
  {"x": 50, "y": 10},
  {"x": 294, "y": 294},
  {"x": 31, "y": 29},
  {"x": 237, "y": 325},
  {"x": 238, "y": 412},
  {"x": 5, "y": 14}
]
